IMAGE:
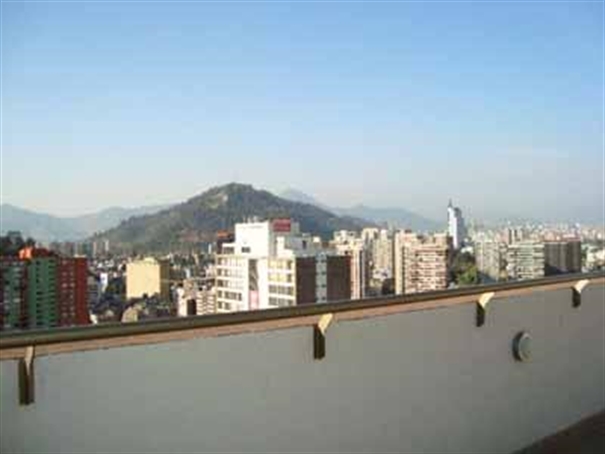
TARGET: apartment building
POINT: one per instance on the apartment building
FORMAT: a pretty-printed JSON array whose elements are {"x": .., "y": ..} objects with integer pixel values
[
  {"x": 148, "y": 277},
  {"x": 272, "y": 264},
  {"x": 422, "y": 263},
  {"x": 72, "y": 301},
  {"x": 359, "y": 254},
  {"x": 563, "y": 256},
  {"x": 41, "y": 289},
  {"x": 525, "y": 260},
  {"x": 383, "y": 254},
  {"x": 490, "y": 256},
  {"x": 195, "y": 297},
  {"x": 13, "y": 299}
]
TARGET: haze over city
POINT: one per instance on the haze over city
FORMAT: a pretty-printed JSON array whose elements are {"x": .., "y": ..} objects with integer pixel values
[{"x": 397, "y": 104}]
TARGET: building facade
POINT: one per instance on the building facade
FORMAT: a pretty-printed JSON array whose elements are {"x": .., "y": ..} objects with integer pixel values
[
  {"x": 562, "y": 257},
  {"x": 422, "y": 262},
  {"x": 383, "y": 254},
  {"x": 271, "y": 264},
  {"x": 13, "y": 298},
  {"x": 456, "y": 226},
  {"x": 525, "y": 260},
  {"x": 359, "y": 253},
  {"x": 490, "y": 256},
  {"x": 148, "y": 277},
  {"x": 41, "y": 289},
  {"x": 72, "y": 281},
  {"x": 196, "y": 297}
]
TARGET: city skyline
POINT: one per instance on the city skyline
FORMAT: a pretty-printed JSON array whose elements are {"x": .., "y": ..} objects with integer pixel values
[{"x": 390, "y": 105}]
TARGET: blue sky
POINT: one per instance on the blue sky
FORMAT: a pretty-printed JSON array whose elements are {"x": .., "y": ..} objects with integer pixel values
[{"x": 498, "y": 105}]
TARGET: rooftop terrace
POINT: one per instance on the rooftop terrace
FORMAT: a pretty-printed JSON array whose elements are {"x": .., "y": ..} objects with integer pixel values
[{"x": 497, "y": 368}]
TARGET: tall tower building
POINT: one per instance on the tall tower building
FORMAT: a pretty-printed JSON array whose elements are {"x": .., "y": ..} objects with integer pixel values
[{"x": 455, "y": 226}]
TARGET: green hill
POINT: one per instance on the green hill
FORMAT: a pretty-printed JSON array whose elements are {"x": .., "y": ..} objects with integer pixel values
[{"x": 199, "y": 218}]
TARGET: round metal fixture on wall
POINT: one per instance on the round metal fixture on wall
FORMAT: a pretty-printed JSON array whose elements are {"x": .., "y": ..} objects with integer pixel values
[{"x": 522, "y": 347}]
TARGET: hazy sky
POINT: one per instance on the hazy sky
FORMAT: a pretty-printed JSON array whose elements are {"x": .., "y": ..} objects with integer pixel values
[{"x": 498, "y": 105}]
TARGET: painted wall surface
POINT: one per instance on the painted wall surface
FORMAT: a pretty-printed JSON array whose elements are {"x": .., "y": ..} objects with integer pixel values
[{"x": 426, "y": 381}]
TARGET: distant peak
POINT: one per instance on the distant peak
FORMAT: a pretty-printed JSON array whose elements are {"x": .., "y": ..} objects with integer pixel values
[{"x": 232, "y": 188}]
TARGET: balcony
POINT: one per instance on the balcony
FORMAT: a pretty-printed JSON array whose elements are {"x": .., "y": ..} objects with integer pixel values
[{"x": 498, "y": 368}]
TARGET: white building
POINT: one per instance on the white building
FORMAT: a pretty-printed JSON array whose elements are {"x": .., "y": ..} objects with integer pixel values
[
  {"x": 195, "y": 298},
  {"x": 271, "y": 264},
  {"x": 455, "y": 226}
]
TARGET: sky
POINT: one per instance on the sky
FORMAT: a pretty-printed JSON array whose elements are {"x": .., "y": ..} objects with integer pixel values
[{"x": 498, "y": 105}]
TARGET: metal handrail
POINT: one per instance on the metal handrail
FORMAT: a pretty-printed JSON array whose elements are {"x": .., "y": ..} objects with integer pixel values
[{"x": 18, "y": 339}]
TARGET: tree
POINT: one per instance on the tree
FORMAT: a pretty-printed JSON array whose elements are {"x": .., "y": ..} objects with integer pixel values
[
  {"x": 469, "y": 277},
  {"x": 10, "y": 245},
  {"x": 463, "y": 270}
]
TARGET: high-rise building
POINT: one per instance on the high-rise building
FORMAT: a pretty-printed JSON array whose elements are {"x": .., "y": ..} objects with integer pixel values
[
  {"x": 490, "y": 257},
  {"x": 513, "y": 235},
  {"x": 562, "y": 257},
  {"x": 525, "y": 260},
  {"x": 422, "y": 263},
  {"x": 271, "y": 264},
  {"x": 370, "y": 234},
  {"x": 148, "y": 277},
  {"x": 455, "y": 225},
  {"x": 383, "y": 254},
  {"x": 41, "y": 290},
  {"x": 13, "y": 299},
  {"x": 72, "y": 298},
  {"x": 359, "y": 256},
  {"x": 398, "y": 260}
]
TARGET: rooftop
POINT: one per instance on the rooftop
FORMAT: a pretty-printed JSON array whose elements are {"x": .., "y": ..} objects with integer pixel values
[{"x": 383, "y": 374}]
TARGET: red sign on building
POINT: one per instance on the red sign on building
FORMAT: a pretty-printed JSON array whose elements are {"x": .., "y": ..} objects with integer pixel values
[{"x": 282, "y": 225}]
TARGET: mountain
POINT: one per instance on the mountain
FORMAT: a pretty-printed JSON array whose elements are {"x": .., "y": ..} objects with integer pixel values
[
  {"x": 397, "y": 217},
  {"x": 298, "y": 196},
  {"x": 40, "y": 226},
  {"x": 45, "y": 227},
  {"x": 110, "y": 217},
  {"x": 219, "y": 208}
]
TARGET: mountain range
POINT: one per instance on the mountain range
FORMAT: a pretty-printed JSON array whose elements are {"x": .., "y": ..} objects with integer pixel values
[
  {"x": 46, "y": 227},
  {"x": 199, "y": 218},
  {"x": 161, "y": 227},
  {"x": 396, "y": 217}
]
